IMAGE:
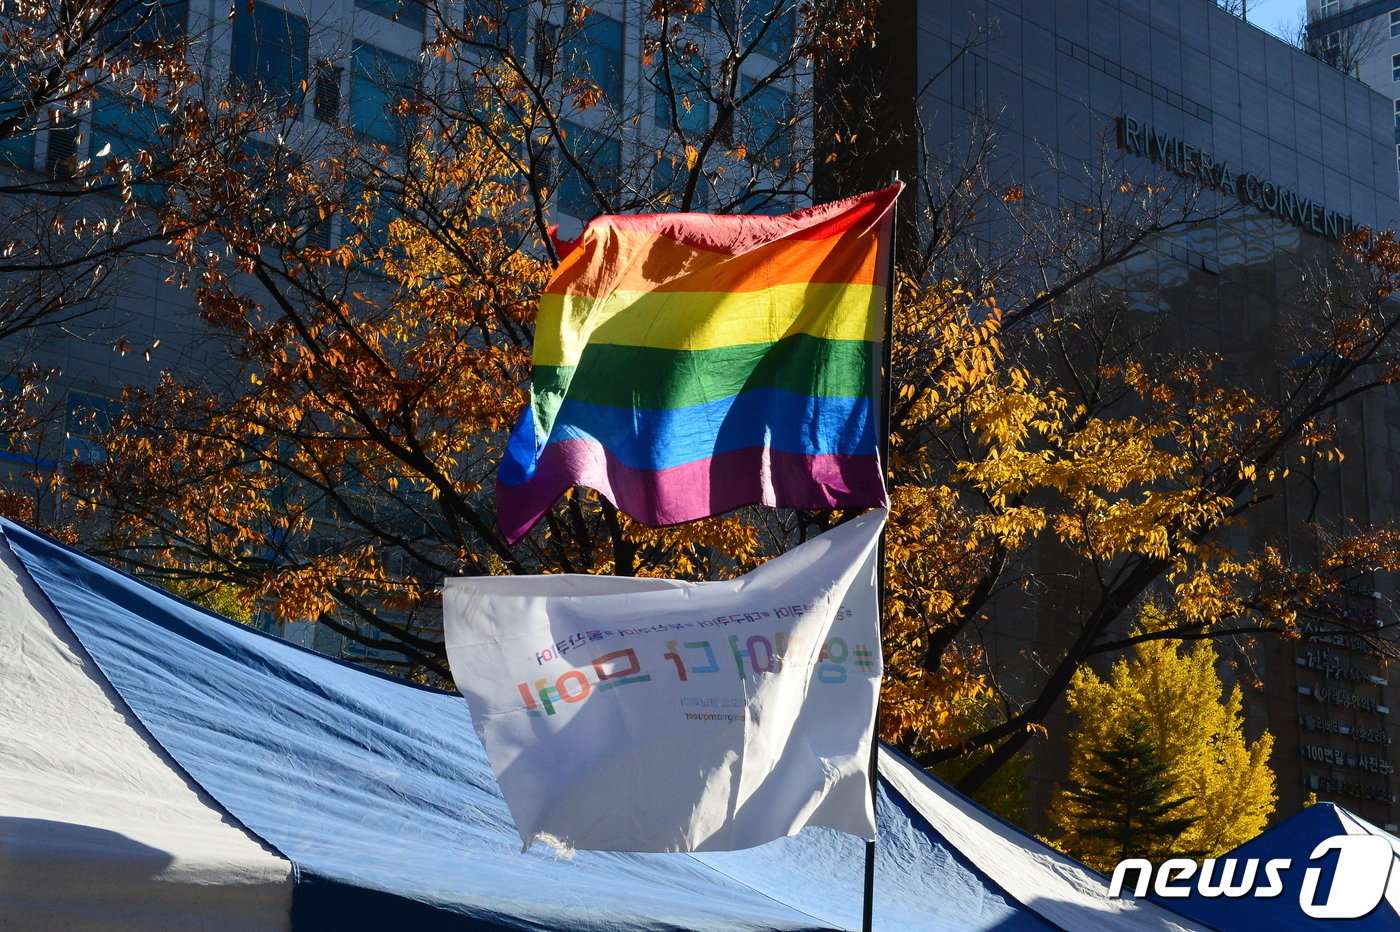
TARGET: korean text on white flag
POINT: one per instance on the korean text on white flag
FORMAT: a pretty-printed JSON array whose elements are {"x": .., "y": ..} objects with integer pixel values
[{"x": 633, "y": 714}]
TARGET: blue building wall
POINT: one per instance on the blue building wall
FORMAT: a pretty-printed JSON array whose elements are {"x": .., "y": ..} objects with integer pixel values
[{"x": 1059, "y": 76}]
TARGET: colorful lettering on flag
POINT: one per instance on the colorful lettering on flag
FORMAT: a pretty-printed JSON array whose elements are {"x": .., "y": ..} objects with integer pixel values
[
  {"x": 689, "y": 364},
  {"x": 629, "y": 714}
]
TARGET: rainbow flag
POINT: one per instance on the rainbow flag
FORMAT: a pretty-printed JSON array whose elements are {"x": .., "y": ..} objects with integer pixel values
[{"x": 688, "y": 364}]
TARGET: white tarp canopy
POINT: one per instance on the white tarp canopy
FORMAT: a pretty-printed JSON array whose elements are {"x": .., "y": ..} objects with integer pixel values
[
  {"x": 164, "y": 768},
  {"x": 91, "y": 809}
]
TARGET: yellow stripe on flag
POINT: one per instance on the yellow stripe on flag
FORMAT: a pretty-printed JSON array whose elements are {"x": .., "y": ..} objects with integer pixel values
[{"x": 703, "y": 320}]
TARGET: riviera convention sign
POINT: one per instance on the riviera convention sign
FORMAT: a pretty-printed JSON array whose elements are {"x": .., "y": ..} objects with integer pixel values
[{"x": 1195, "y": 164}]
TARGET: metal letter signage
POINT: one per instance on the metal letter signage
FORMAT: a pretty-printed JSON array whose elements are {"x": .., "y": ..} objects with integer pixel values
[{"x": 1194, "y": 164}]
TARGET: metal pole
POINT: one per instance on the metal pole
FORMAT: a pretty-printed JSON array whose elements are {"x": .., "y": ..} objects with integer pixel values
[{"x": 886, "y": 404}]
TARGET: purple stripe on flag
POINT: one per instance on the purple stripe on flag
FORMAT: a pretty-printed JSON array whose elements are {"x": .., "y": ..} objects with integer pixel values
[{"x": 752, "y": 476}]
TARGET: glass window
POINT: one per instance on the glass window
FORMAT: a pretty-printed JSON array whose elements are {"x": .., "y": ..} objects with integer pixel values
[
  {"x": 146, "y": 21},
  {"x": 89, "y": 416},
  {"x": 377, "y": 81},
  {"x": 546, "y": 36},
  {"x": 270, "y": 52},
  {"x": 601, "y": 54},
  {"x": 275, "y": 170},
  {"x": 1397, "y": 114},
  {"x": 603, "y": 157},
  {"x": 121, "y": 129},
  {"x": 513, "y": 32},
  {"x": 1330, "y": 48},
  {"x": 767, "y": 120},
  {"x": 756, "y": 25},
  {"x": 1395, "y": 67},
  {"x": 759, "y": 202},
  {"x": 668, "y": 176},
  {"x": 17, "y": 147},
  {"x": 408, "y": 12},
  {"x": 776, "y": 36},
  {"x": 685, "y": 91},
  {"x": 503, "y": 26},
  {"x": 1330, "y": 6},
  {"x": 1395, "y": 24},
  {"x": 370, "y": 213}
]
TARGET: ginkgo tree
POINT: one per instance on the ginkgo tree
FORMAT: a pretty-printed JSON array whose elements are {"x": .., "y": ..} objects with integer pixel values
[{"x": 1220, "y": 782}]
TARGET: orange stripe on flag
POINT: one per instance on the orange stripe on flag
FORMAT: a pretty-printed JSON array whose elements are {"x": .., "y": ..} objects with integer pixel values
[{"x": 631, "y": 261}]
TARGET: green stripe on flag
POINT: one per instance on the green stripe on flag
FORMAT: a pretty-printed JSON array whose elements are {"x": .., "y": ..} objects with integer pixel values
[{"x": 661, "y": 379}]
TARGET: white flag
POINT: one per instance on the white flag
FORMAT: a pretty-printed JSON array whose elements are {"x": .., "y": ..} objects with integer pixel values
[{"x": 658, "y": 715}]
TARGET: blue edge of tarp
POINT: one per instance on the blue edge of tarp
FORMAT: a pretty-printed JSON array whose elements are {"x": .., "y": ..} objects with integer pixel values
[{"x": 379, "y": 793}]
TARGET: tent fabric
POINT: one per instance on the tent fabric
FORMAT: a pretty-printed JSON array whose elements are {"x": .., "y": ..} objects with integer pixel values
[
  {"x": 91, "y": 808},
  {"x": 1295, "y": 839},
  {"x": 1055, "y": 886},
  {"x": 379, "y": 794}
]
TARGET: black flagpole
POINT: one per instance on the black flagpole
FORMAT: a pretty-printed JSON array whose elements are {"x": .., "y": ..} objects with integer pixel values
[{"x": 886, "y": 404}]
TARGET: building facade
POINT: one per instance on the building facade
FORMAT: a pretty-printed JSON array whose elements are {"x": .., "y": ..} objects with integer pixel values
[
  {"x": 331, "y": 66},
  {"x": 1361, "y": 38},
  {"x": 1292, "y": 154}
]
